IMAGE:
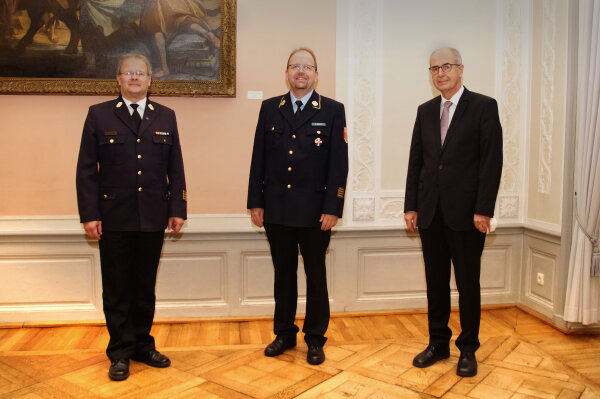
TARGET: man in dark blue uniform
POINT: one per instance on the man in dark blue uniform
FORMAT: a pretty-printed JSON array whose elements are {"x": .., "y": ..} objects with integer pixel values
[
  {"x": 130, "y": 187},
  {"x": 296, "y": 190}
]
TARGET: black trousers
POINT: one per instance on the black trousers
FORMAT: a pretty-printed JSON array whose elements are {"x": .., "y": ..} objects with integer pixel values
[
  {"x": 441, "y": 246},
  {"x": 129, "y": 263},
  {"x": 313, "y": 243}
]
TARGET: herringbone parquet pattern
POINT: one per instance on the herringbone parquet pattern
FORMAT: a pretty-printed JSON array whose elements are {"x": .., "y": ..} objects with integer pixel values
[{"x": 367, "y": 357}]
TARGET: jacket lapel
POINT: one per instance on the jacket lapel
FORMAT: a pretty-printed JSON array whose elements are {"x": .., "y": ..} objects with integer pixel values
[
  {"x": 310, "y": 108},
  {"x": 463, "y": 103},
  {"x": 123, "y": 114},
  {"x": 433, "y": 114},
  {"x": 149, "y": 115},
  {"x": 285, "y": 107}
]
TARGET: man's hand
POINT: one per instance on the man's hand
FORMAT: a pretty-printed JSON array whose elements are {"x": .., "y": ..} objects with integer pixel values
[
  {"x": 482, "y": 223},
  {"x": 328, "y": 221},
  {"x": 410, "y": 218},
  {"x": 93, "y": 229},
  {"x": 257, "y": 216},
  {"x": 175, "y": 224}
]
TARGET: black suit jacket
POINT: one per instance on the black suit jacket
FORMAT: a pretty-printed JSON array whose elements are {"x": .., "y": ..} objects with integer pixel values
[
  {"x": 299, "y": 164},
  {"x": 464, "y": 173},
  {"x": 130, "y": 180}
]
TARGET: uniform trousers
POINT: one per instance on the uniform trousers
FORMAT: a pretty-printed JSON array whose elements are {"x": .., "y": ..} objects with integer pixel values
[
  {"x": 313, "y": 242},
  {"x": 441, "y": 247},
  {"x": 129, "y": 263}
]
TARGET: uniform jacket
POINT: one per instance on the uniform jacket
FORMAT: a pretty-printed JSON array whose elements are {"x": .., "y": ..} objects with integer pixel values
[
  {"x": 464, "y": 173},
  {"x": 131, "y": 181},
  {"x": 299, "y": 164}
]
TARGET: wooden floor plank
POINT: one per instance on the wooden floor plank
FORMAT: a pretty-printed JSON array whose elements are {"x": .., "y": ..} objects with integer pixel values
[{"x": 367, "y": 357}]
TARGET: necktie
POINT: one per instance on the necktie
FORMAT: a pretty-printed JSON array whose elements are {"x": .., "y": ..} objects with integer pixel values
[
  {"x": 136, "y": 116},
  {"x": 445, "y": 119},
  {"x": 299, "y": 108}
]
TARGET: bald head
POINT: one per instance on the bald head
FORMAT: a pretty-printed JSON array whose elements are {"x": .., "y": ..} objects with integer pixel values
[{"x": 448, "y": 52}]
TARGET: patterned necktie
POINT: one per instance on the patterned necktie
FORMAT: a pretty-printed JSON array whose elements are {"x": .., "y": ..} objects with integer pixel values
[
  {"x": 299, "y": 108},
  {"x": 445, "y": 120},
  {"x": 136, "y": 116}
]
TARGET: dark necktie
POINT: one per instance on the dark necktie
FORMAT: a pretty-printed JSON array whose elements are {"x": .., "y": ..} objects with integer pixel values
[
  {"x": 136, "y": 116},
  {"x": 299, "y": 108}
]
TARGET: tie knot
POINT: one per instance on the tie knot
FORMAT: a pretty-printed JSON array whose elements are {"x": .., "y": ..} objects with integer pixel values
[
  {"x": 447, "y": 104},
  {"x": 299, "y": 103},
  {"x": 134, "y": 106}
]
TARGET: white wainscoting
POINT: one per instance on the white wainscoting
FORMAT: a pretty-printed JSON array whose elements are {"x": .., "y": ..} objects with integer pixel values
[{"x": 221, "y": 266}]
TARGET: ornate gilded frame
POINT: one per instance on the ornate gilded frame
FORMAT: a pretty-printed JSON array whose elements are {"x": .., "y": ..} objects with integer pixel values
[{"x": 223, "y": 87}]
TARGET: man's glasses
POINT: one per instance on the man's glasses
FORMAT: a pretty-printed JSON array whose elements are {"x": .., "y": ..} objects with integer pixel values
[
  {"x": 302, "y": 67},
  {"x": 446, "y": 68},
  {"x": 131, "y": 73}
]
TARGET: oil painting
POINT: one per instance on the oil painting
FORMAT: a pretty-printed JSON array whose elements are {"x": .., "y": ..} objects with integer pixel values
[{"x": 72, "y": 46}]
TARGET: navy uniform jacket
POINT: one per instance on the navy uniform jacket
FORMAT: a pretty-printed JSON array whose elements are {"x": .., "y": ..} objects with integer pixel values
[
  {"x": 299, "y": 165},
  {"x": 131, "y": 181},
  {"x": 464, "y": 173}
]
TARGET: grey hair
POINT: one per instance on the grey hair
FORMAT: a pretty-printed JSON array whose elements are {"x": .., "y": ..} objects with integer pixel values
[
  {"x": 134, "y": 55},
  {"x": 455, "y": 54}
]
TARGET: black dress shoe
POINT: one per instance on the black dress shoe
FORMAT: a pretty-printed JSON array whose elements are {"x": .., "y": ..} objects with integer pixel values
[
  {"x": 152, "y": 358},
  {"x": 279, "y": 345},
  {"x": 315, "y": 355},
  {"x": 467, "y": 364},
  {"x": 119, "y": 369},
  {"x": 431, "y": 355}
]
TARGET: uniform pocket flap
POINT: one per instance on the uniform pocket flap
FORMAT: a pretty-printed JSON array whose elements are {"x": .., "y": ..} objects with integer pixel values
[
  {"x": 107, "y": 140},
  {"x": 157, "y": 139}
]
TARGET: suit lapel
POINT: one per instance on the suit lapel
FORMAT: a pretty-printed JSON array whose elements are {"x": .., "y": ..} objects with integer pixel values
[
  {"x": 433, "y": 114},
  {"x": 123, "y": 114},
  {"x": 463, "y": 103},
  {"x": 285, "y": 107},
  {"x": 310, "y": 108},
  {"x": 149, "y": 115}
]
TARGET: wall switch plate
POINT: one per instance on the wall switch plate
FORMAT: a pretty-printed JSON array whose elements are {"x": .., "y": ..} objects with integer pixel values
[
  {"x": 540, "y": 278},
  {"x": 255, "y": 95}
]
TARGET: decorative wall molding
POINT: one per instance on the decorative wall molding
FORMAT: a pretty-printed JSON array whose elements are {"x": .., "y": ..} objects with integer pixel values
[
  {"x": 513, "y": 33},
  {"x": 541, "y": 254},
  {"x": 392, "y": 209},
  {"x": 508, "y": 206},
  {"x": 362, "y": 77},
  {"x": 547, "y": 97},
  {"x": 221, "y": 266},
  {"x": 363, "y": 209}
]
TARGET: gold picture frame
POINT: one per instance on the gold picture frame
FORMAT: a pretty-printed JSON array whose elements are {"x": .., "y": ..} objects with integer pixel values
[{"x": 212, "y": 41}]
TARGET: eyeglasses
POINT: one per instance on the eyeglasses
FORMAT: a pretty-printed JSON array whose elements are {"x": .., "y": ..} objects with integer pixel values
[
  {"x": 446, "y": 68},
  {"x": 136, "y": 73},
  {"x": 302, "y": 67}
]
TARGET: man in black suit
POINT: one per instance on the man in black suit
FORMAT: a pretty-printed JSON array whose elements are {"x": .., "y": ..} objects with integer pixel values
[
  {"x": 453, "y": 177},
  {"x": 296, "y": 190},
  {"x": 130, "y": 187}
]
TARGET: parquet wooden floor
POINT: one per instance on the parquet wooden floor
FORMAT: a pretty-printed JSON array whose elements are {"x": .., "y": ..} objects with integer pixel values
[{"x": 367, "y": 357}]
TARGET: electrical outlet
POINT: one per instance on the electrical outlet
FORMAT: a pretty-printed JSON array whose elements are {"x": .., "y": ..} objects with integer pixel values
[{"x": 540, "y": 278}]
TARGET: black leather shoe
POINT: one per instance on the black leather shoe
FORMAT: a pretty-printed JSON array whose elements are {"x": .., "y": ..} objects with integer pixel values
[
  {"x": 152, "y": 358},
  {"x": 278, "y": 346},
  {"x": 431, "y": 355},
  {"x": 315, "y": 355},
  {"x": 119, "y": 369},
  {"x": 467, "y": 364}
]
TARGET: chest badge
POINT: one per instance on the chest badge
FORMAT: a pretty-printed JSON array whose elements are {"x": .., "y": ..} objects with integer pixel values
[{"x": 318, "y": 141}]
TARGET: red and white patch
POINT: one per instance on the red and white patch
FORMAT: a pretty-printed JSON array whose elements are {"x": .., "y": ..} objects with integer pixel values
[
  {"x": 318, "y": 141},
  {"x": 345, "y": 134}
]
